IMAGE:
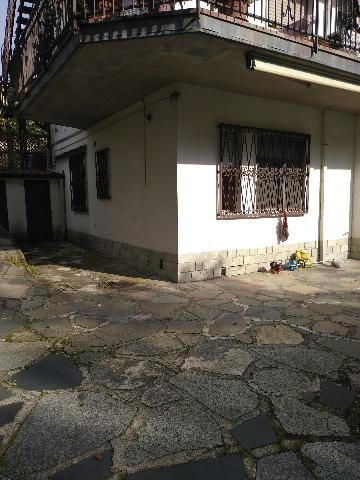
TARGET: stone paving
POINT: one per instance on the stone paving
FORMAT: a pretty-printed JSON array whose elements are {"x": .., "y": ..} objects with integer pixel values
[{"x": 105, "y": 375}]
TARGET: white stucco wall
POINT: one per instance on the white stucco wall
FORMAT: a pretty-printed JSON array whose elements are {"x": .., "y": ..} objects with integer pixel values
[
  {"x": 339, "y": 162},
  {"x": 142, "y": 210},
  {"x": 355, "y": 231},
  {"x": 15, "y": 194},
  {"x": 200, "y": 111}
]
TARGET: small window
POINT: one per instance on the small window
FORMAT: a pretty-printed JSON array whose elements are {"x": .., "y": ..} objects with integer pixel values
[
  {"x": 78, "y": 187},
  {"x": 102, "y": 174},
  {"x": 262, "y": 172}
]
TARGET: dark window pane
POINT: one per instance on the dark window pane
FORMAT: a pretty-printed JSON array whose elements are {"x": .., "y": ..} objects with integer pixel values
[
  {"x": 102, "y": 174},
  {"x": 78, "y": 182}
]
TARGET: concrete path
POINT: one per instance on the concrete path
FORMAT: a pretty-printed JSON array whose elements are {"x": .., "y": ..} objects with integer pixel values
[{"x": 107, "y": 375}]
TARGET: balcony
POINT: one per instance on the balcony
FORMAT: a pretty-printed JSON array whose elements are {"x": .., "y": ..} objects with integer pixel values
[{"x": 76, "y": 62}]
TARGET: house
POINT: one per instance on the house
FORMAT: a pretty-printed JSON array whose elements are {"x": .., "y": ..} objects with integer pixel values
[
  {"x": 186, "y": 131},
  {"x": 31, "y": 193}
]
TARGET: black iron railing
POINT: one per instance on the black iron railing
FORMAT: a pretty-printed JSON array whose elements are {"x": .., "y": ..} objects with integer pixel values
[{"x": 335, "y": 23}]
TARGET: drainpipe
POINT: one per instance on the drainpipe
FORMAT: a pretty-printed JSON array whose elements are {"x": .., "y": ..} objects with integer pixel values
[
  {"x": 321, "y": 255},
  {"x": 354, "y": 191}
]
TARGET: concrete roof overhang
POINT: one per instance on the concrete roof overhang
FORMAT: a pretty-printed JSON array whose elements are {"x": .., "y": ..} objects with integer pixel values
[{"x": 108, "y": 66}]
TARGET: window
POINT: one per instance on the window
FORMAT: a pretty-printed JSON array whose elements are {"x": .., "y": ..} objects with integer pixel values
[
  {"x": 78, "y": 181},
  {"x": 102, "y": 174},
  {"x": 262, "y": 172}
]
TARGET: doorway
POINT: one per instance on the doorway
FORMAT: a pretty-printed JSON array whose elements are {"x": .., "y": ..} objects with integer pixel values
[{"x": 38, "y": 210}]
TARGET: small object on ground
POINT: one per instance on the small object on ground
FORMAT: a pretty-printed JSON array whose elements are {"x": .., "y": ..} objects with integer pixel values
[
  {"x": 335, "y": 263},
  {"x": 276, "y": 267},
  {"x": 262, "y": 269},
  {"x": 290, "y": 265},
  {"x": 303, "y": 259},
  {"x": 98, "y": 456}
]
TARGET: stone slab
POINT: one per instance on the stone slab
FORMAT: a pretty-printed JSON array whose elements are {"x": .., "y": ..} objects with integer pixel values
[
  {"x": 160, "y": 394},
  {"x": 96, "y": 467},
  {"x": 283, "y": 466},
  {"x": 229, "y": 467},
  {"x": 17, "y": 355},
  {"x": 153, "y": 345},
  {"x": 229, "y": 324},
  {"x": 9, "y": 412},
  {"x": 254, "y": 433},
  {"x": 57, "y": 327},
  {"x": 228, "y": 397},
  {"x": 300, "y": 419},
  {"x": 179, "y": 427},
  {"x": 8, "y": 325},
  {"x": 308, "y": 359},
  {"x": 51, "y": 373},
  {"x": 4, "y": 393},
  {"x": 264, "y": 313},
  {"x": 284, "y": 381},
  {"x": 350, "y": 348},
  {"x": 63, "y": 426},
  {"x": 336, "y": 396},
  {"x": 218, "y": 356},
  {"x": 277, "y": 334},
  {"x": 337, "y": 460},
  {"x": 126, "y": 373}
]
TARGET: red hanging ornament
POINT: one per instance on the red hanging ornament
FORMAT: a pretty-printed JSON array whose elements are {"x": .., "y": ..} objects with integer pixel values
[{"x": 284, "y": 231}]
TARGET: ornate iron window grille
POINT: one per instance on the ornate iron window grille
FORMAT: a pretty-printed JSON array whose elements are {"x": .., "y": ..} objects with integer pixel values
[
  {"x": 262, "y": 173},
  {"x": 78, "y": 183},
  {"x": 102, "y": 174}
]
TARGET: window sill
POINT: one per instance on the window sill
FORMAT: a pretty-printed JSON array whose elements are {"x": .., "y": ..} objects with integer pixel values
[{"x": 236, "y": 216}]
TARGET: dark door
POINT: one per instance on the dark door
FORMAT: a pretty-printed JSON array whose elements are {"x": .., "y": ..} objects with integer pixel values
[
  {"x": 4, "y": 219},
  {"x": 38, "y": 210}
]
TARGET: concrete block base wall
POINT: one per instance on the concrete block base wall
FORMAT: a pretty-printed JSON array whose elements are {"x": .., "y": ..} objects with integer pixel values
[
  {"x": 202, "y": 266},
  {"x": 161, "y": 264},
  {"x": 355, "y": 248},
  {"x": 205, "y": 266}
]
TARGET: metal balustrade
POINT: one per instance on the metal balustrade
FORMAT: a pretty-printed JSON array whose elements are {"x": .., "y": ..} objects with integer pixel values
[{"x": 335, "y": 23}]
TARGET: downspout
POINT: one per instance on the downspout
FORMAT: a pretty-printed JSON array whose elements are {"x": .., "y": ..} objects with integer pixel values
[
  {"x": 321, "y": 255},
  {"x": 355, "y": 167}
]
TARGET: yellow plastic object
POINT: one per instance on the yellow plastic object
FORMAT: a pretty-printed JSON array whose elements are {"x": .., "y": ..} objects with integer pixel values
[{"x": 303, "y": 259}]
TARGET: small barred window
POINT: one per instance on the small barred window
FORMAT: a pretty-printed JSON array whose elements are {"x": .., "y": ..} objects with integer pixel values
[
  {"x": 102, "y": 174},
  {"x": 78, "y": 184}
]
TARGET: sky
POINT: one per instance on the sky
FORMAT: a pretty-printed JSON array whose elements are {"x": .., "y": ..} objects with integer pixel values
[{"x": 3, "y": 9}]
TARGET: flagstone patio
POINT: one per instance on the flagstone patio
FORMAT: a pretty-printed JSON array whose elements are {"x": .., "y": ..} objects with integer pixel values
[{"x": 107, "y": 375}]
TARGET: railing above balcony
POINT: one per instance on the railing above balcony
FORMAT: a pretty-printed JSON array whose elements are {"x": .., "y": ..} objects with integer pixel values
[{"x": 335, "y": 23}]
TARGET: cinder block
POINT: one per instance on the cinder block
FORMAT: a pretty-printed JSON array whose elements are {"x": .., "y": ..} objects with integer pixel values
[
  {"x": 186, "y": 267},
  {"x": 249, "y": 260},
  {"x": 184, "y": 277},
  {"x": 262, "y": 251},
  {"x": 251, "y": 268},
  {"x": 243, "y": 252},
  {"x": 199, "y": 275},
  {"x": 261, "y": 259},
  {"x": 234, "y": 262},
  {"x": 269, "y": 249},
  {"x": 253, "y": 251},
  {"x": 232, "y": 253}
]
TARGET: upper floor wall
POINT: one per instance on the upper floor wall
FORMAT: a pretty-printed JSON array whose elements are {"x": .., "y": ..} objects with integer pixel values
[{"x": 74, "y": 65}]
